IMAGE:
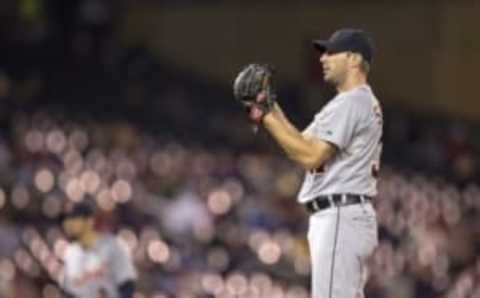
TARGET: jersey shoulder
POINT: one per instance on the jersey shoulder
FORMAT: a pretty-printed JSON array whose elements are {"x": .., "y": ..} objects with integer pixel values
[
  {"x": 358, "y": 102},
  {"x": 114, "y": 245},
  {"x": 362, "y": 97},
  {"x": 73, "y": 251},
  {"x": 364, "y": 102},
  {"x": 108, "y": 240}
]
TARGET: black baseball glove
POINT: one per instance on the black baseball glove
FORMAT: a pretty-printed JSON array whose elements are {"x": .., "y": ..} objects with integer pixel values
[{"x": 253, "y": 88}]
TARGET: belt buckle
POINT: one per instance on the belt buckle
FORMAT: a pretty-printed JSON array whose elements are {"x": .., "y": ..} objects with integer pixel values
[
  {"x": 315, "y": 205},
  {"x": 362, "y": 199},
  {"x": 343, "y": 199},
  {"x": 331, "y": 202}
]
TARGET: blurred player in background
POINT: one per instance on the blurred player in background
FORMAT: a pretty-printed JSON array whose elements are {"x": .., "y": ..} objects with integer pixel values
[{"x": 96, "y": 265}]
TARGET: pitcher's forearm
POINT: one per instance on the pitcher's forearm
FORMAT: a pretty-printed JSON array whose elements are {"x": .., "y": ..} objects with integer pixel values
[{"x": 307, "y": 152}]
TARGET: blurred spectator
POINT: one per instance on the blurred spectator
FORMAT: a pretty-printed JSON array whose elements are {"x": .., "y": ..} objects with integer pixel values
[{"x": 96, "y": 265}]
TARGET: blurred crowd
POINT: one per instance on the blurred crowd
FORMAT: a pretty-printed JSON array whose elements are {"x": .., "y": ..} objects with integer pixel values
[
  {"x": 204, "y": 221},
  {"x": 197, "y": 221}
]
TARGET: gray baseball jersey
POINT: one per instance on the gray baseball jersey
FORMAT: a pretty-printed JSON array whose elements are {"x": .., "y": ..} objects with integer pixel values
[
  {"x": 352, "y": 121},
  {"x": 97, "y": 271}
]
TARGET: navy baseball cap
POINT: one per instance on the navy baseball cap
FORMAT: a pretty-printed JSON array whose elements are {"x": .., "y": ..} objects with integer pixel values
[
  {"x": 347, "y": 40},
  {"x": 82, "y": 209}
]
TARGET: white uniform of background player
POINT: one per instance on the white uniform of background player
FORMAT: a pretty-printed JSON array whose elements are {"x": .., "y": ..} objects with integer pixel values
[
  {"x": 96, "y": 265},
  {"x": 99, "y": 270},
  {"x": 341, "y": 151}
]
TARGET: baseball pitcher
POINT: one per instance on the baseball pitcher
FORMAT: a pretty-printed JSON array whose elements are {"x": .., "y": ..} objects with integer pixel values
[
  {"x": 340, "y": 151},
  {"x": 96, "y": 265}
]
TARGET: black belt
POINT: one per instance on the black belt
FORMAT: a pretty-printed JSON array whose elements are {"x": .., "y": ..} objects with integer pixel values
[{"x": 335, "y": 200}]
